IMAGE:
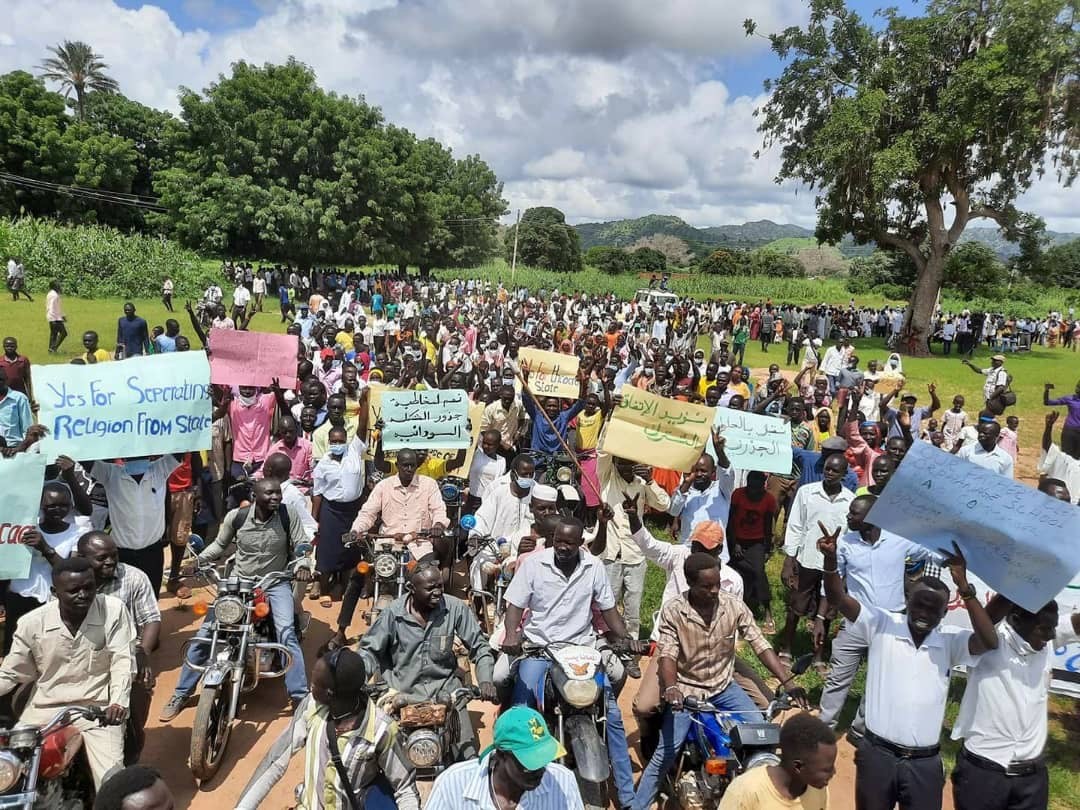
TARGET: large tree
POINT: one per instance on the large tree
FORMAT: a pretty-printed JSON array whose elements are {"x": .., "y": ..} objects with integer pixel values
[
  {"x": 78, "y": 70},
  {"x": 545, "y": 241},
  {"x": 894, "y": 125}
]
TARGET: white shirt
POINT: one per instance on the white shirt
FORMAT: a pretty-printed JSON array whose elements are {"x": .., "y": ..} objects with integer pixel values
[
  {"x": 994, "y": 378},
  {"x": 292, "y": 496},
  {"x": 484, "y": 471},
  {"x": 1055, "y": 464},
  {"x": 136, "y": 508},
  {"x": 811, "y": 505},
  {"x": 875, "y": 572},
  {"x": 38, "y": 582},
  {"x": 996, "y": 460},
  {"x": 258, "y": 286},
  {"x": 559, "y": 606},
  {"x": 670, "y": 557},
  {"x": 833, "y": 361},
  {"x": 1003, "y": 713},
  {"x": 465, "y": 786},
  {"x": 341, "y": 481},
  {"x": 241, "y": 296},
  {"x": 502, "y": 514},
  {"x": 906, "y": 688},
  {"x": 695, "y": 506}
]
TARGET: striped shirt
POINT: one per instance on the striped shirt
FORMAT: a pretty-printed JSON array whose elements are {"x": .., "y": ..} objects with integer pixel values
[
  {"x": 368, "y": 751},
  {"x": 132, "y": 587},
  {"x": 704, "y": 655},
  {"x": 467, "y": 786}
]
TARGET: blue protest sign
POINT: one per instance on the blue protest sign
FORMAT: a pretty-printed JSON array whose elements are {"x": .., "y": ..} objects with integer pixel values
[
  {"x": 23, "y": 475},
  {"x": 425, "y": 419}
]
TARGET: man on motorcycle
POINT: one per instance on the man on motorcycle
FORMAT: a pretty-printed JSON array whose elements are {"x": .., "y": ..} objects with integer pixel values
[
  {"x": 559, "y": 586},
  {"x": 412, "y": 644},
  {"x": 132, "y": 587},
  {"x": 339, "y": 720},
  {"x": 698, "y": 636},
  {"x": 264, "y": 545},
  {"x": 76, "y": 650}
]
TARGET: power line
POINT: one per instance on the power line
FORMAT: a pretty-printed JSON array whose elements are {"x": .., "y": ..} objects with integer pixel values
[{"x": 81, "y": 192}]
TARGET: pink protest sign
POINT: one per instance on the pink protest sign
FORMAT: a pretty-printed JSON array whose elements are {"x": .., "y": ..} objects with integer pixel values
[{"x": 252, "y": 358}]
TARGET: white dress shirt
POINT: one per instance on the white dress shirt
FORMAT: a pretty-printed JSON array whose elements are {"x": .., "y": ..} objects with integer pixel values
[
  {"x": 484, "y": 471},
  {"x": 996, "y": 460},
  {"x": 1003, "y": 713},
  {"x": 292, "y": 496},
  {"x": 906, "y": 687},
  {"x": 1055, "y": 464},
  {"x": 136, "y": 508},
  {"x": 341, "y": 481},
  {"x": 503, "y": 514},
  {"x": 813, "y": 504}
]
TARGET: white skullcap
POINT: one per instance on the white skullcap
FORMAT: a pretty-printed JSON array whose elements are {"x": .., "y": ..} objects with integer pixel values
[{"x": 543, "y": 492}]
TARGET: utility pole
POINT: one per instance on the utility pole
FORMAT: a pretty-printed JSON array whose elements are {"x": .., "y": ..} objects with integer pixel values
[{"x": 513, "y": 258}]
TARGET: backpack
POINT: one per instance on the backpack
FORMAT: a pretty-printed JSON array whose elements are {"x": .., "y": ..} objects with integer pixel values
[{"x": 241, "y": 516}]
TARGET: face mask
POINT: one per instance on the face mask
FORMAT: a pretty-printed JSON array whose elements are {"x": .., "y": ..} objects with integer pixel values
[
  {"x": 248, "y": 401},
  {"x": 137, "y": 466},
  {"x": 337, "y": 449},
  {"x": 525, "y": 483}
]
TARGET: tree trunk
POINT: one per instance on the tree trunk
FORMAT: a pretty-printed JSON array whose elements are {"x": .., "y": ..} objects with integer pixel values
[{"x": 920, "y": 311}]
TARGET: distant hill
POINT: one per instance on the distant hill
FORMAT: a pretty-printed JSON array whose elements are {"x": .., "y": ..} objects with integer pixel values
[{"x": 751, "y": 235}]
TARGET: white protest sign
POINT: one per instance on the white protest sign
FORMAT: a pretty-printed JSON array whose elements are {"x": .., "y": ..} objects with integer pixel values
[
  {"x": 754, "y": 441},
  {"x": 138, "y": 407},
  {"x": 434, "y": 418},
  {"x": 551, "y": 374},
  {"x": 1021, "y": 542}
]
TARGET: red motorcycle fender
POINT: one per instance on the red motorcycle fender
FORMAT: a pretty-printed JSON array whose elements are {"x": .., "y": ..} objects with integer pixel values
[{"x": 57, "y": 752}]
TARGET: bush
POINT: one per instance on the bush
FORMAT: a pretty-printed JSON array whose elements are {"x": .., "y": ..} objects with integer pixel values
[
  {"x": 894, "y": 292},
  {"x": 92, "y": 261},
  {"x": 610, "y": 260}
]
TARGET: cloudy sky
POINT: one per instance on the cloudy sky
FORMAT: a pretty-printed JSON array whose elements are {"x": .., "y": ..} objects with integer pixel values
[{"x": 603, "y": 108}]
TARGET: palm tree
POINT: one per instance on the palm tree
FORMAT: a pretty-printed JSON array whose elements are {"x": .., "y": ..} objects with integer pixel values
[{"x": 77, "y": 68}]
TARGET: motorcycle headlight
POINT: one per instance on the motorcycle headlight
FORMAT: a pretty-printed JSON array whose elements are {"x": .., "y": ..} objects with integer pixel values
[
  {"x": 11, "y": 768},
  {"x": 385, "y": 566},
  {"x": 565, "y": 475},
  {"x": 581, "y": 694},
  {"x": 229, "y": 610},
  {"x": 450, "y": 492},
  {"x": 423, "y": 748}
]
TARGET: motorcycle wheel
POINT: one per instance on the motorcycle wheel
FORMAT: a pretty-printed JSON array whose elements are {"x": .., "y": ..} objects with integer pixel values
[
  {"x": 210, "y": 733},
  {"x": 593, "y": 795}
]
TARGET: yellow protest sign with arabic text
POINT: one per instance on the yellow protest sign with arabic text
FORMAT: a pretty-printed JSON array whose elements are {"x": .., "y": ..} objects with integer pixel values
[
  {"x": 650, "y": 429},
  {"x": 551, "y": 374}
]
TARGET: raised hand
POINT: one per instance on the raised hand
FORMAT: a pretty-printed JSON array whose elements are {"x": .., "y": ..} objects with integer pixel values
[
  {"x": 827, "y": 542},
  {"x": 1051, "y": 418},
  {"x": 957, "y": 564}
]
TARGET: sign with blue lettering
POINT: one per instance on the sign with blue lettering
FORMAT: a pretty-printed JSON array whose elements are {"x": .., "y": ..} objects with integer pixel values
[{"x": 138, "y": 407}]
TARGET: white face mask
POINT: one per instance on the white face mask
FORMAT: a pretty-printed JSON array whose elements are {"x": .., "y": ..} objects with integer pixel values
[{"x": 249, "y": 401}]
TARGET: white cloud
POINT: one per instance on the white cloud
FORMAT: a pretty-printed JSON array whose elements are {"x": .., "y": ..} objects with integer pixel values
[{"x": 604, "y": 108}]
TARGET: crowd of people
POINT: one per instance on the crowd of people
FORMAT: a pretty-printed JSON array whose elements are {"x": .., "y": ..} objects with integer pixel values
[{"x": 290, "y": 466}]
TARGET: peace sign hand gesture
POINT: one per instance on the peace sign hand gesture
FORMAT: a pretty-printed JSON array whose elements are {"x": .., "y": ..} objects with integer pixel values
[
  {"x": 630, "y": 504},
  {"x": 827, "y": 542}
]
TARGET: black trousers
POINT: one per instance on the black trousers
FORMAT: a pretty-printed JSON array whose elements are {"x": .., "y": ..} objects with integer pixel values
[
  {"x": 1070, "y": 442},
  {"x": 15, "y": 607},
  {"x": 150, "y": 560},
  {"x": 979, "y": 787},
  {"x": 751, "y": 568},
  {"x": 884, "y": 780},
  {"x": 57, "y": 333}
]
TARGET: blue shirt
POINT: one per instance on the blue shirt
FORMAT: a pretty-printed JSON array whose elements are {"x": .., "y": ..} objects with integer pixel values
[
  {"x": 543, "y": 440},
  {"x": 695, "y": 506},
  {"x": 165, "y": 344},
  {"x": 465, "y": 786},
  {"x": 875, "y": 573},
  {"x": 812, "y": 468},
  {"x": 376, "y": 302},
  {"x": 283, "y": 294},
  {"x": 15, "y": 417},
  {"x": 133, "y": 335},
  {"x": 917, "y": 416}
]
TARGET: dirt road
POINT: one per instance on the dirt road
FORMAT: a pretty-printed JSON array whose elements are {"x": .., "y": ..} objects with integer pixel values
[{"x": 264, "y": 715}]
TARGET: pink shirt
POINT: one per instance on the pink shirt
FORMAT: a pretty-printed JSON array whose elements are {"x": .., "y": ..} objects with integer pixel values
[
  {"x": 301, "y": 456},
  {"x": 1008, "y": 441},
  {"x": 54, "y": 311},
  {"x": 404, "y": 509},
  {"x": 251, "y": 428}
]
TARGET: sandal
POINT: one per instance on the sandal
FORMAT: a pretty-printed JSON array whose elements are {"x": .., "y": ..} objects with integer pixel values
[
  {"x": 178, "y": 589},
  {"x": 785, "y": 658},
  {"x": 769, "y": 627},
  {"x": 326, "y": 601},
  {"x": 315, "y": 591}
]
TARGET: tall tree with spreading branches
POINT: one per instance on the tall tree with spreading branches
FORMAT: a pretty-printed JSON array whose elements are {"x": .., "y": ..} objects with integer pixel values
[
  {"x": 78, "y": 70},
  {"x": 911, "y": 129}
]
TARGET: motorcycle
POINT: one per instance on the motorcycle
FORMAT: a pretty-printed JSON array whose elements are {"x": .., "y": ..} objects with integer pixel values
[
  {"x": 488, "y": 564},
  {"x": 575, "y": 706},
  {"x": 243, "y": 652},
  {"x": 40, "y": 766},
  {"x": 429, "y": 730},
  {"x": 387, "y": 557},
  {"x": 557, "y": 469},
  {"x": 722, "y": 744}
]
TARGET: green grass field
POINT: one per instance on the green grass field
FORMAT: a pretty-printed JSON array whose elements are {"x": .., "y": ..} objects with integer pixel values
[{"x": 1030, "y": 370}]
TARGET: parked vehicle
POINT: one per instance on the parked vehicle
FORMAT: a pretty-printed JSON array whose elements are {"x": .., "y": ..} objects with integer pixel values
[
  {"x": 243, "y": 651},
  {"x": 44, "y": 767},
  {"x": 721, "y": 745}
]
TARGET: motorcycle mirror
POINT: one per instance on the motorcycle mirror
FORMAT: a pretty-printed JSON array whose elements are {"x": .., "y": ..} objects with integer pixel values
[
  {"x": 196, "y": 543},
  {"x": 468, "y": 522},
  {"x": 303, "y": 549},
  {"x": 802, "y": 663}
]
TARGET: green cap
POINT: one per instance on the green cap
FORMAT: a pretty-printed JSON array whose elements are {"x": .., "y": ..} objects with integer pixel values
[{"x": 523, "y": 732}]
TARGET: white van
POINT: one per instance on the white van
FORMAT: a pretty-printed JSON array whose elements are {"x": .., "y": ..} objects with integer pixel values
[{"x": 661, "y": 299}]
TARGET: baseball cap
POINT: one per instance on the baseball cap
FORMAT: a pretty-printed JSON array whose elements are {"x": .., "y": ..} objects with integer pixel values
[
  {"x": 834, "y": 444},
  {"x": 908, "y": 395},
  {"x": 708, "y": 533},
  {"x": 523, "y": 732}
]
